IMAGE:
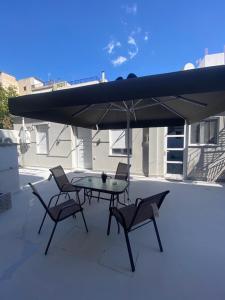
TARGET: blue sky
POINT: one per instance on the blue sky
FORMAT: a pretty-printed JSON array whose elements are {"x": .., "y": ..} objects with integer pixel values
[{"x": 77, "y": 39}]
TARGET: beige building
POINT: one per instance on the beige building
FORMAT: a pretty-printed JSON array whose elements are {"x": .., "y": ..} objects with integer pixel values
[{"x": 7, "y": 81}]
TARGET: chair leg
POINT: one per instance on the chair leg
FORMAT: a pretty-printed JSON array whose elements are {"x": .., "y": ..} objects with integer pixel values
[
  {"x": 129, "y": 251},
  {"x": 98, "y": 197},
  {"x": 85, "y": 224},
  {"x": 109, "y": 223},
  {"x": 78, "y": 198},
  {"x": 118, "y": 227},
  {"x": 57, "y": 199},
  {"x": 50, "y": 239},
  {"x": 157, "y": 234},
  {"x": 39, "y": 231}
]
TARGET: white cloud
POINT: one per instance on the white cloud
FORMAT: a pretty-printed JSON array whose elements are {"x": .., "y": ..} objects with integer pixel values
[
  {"x": 146, "y": 37},
  {"x": 136, "y": 31},
  {"x": 134, "y": 52},
  {"x": 131, "y": 9},
  {"x": 119, "y": 61},
  {"x": 131, "y": 41},
  {"x": 111, "y": 46}
]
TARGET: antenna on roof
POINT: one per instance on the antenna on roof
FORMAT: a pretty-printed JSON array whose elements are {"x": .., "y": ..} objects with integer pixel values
[{"x": 103, "y": 79}]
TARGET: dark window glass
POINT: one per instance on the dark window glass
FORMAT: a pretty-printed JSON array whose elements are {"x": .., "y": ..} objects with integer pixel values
[
  {"x": 205, "y": 132},
  {"x": 24, "y": 88},
  {"x": 211, "y": 131},
  {"x": 195, "y": 133},
  {"x": 175, "y": 142},
  {"x": 174, "y": 168},
  {"x": 175, "y": 155},
  {"x": 175, "y": 130}
]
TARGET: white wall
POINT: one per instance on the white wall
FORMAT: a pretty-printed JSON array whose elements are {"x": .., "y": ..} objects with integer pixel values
[{"x": 9, "y": 175}]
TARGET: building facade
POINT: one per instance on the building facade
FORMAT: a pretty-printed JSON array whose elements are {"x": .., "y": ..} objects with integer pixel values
[
  {"x": 47, "y": 144},
  {"x": 193, "y": 152}
]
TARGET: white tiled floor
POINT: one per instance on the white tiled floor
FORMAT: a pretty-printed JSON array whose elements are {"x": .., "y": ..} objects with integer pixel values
[{"x": 94, "y": 266}]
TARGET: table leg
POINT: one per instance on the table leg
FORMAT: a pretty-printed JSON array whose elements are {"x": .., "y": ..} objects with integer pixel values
[{"x": 84, "y": 196}]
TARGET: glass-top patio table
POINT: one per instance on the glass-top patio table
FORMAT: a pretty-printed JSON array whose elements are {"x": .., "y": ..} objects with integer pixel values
[{"x": 113, "y": 187}]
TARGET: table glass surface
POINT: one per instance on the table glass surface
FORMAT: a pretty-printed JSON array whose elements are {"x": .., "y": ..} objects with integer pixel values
[{"x": 95, "y": 183}]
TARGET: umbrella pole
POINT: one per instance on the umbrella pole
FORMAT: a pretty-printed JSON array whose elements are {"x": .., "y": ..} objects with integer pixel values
[{"x": 128, "y": 153}]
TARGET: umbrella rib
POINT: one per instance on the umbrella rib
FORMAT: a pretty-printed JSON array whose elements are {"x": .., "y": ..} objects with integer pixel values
[
  {"x": 118, "y": 106},
  {"x": 125, "y": 105},
  {"x": 140, "y": 100},
  {"x": 153, "y": 104},
  {"x": 81, "y": 110},
  {"x": 101, "y": 109},
  {"x": 169, "y": 108},
  {"x": 192, "y": 101},
  {"x": 104, "y": 114}
]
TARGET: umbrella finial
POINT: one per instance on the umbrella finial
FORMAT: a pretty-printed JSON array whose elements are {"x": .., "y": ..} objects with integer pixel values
[{"x": 131, "y": 75}]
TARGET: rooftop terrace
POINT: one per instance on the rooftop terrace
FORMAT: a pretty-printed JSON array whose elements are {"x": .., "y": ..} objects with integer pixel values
[{"x": 94, "y": 266}]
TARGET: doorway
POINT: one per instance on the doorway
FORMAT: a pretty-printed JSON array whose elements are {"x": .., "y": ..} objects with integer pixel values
[
  {"x": 174, "y": 152},
  {"x": 84, "y": 148}
]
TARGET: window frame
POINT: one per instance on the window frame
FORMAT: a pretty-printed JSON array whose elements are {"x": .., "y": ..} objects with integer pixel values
[
  {"x": 110, "y": 143},
  {"x": 47, "y": 138},
  {"x": 204, "y": 144}
]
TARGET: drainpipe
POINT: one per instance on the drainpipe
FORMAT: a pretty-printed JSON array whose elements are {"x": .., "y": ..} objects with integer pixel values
[
  {"x": 185, "y": 157},
  {"x": 21, "y": 152},
  {"x": 157, "y": 154}
]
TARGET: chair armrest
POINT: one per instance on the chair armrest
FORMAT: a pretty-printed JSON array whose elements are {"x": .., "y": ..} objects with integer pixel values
[{"x": 54, "y": 196}]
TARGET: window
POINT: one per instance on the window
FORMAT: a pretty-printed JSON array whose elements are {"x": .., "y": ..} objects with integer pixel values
[
  {"x": 119, "y": 142},
  {"x": 24, "y": 88},
  {"x": 205, "y": 132},
  {"x": 42, "y": 139}
]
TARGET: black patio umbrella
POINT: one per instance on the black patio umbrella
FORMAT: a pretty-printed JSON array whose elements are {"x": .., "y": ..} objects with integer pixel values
[{"x": 149, "y": 101}]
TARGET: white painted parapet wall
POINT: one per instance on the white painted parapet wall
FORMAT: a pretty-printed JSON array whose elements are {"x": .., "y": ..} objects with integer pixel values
[{"x": 9, "y": 174}]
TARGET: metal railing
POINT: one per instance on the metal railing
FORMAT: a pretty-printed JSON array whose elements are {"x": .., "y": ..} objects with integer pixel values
[{"x": 50, "y": 83}]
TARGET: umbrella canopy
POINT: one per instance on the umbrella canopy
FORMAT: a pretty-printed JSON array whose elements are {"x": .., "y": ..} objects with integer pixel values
[{"x": 156, "y": 100}]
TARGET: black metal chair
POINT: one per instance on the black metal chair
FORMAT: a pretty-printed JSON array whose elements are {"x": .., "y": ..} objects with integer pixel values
[
  {"x": 63, "y": 183},
  {"x": 134, "y": 216},
  {"x": 58, "y": 212},
  {"x": 122, "y": 173}
]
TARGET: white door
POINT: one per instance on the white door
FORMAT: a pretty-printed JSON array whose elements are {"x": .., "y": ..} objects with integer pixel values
[
  {"x": 174, "y": 152},
  {"x": 84, "y": 148}
]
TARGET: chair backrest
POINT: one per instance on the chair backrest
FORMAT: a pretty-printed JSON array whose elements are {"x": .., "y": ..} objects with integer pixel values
[
  {"x": 144, "y": 210},
  {"x": 36, "y": 193},
  {"x": 122, "y": 171},
  {"x": 59, "y": 176}
]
